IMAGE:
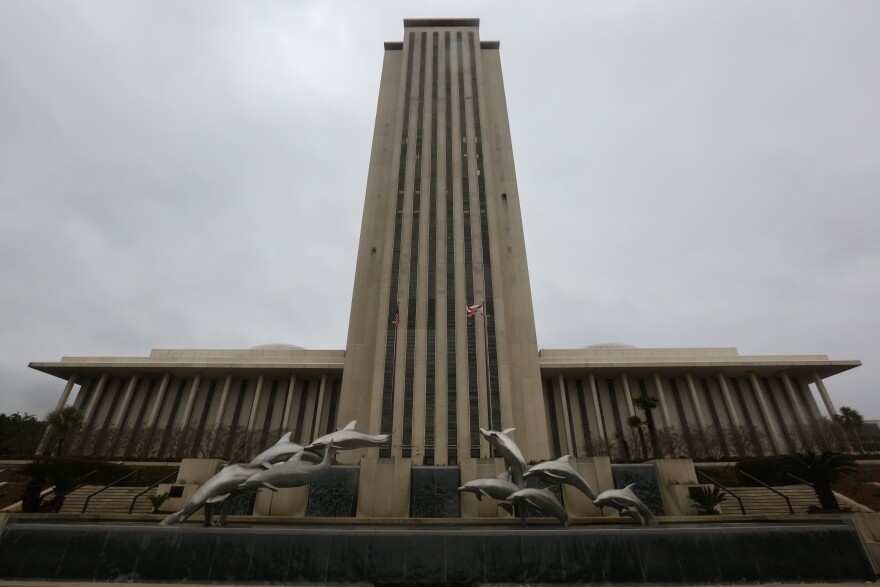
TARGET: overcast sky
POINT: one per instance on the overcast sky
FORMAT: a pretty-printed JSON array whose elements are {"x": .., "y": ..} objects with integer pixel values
[{"x": 192, "y": 174}]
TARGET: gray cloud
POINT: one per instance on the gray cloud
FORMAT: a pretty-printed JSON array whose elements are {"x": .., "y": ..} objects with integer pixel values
[{"x": 195, "y": 177}]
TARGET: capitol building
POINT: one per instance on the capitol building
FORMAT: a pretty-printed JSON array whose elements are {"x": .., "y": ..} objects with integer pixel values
[{"x": 442, "y": 337}]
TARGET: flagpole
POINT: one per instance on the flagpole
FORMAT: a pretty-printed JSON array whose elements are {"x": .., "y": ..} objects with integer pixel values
[{"x": 488, "y": 376}]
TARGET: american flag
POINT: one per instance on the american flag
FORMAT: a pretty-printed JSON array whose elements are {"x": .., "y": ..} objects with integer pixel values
[
  {"x": 478, "y": 309},
  {"x": 396, "y": 318}
]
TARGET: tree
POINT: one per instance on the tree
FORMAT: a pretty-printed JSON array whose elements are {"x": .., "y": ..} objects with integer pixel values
[
  {"x": 647, "y": 403},
  {"x": 637, "y": 423},
  {"x": 851, "y": 421},
  {"x": 64, "y": 421},
  {"x": 820, "y": 471},
  {"x": 20, "y": 434}
]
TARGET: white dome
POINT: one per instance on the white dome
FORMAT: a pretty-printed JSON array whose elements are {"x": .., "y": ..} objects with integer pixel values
[
  {"x": 276, "y": 346},
  {"x": 611, "y": 345}
]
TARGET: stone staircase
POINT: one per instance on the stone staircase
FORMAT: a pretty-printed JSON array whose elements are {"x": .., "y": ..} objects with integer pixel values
[
  {"x": 115, "y": 500},
  {"x": 760, "y": 500}
]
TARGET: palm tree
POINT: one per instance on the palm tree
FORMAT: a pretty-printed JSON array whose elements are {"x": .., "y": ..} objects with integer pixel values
[
  {"x": 851, "y": 421},
  {"x": 64, "y": 421},
  {"x": 820, "y": 471},
  {"x": 647, "y": 403},
  {"x": 636, "y": 422}
]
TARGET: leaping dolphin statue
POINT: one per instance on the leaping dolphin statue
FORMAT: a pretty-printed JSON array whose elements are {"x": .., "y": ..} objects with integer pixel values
[
  {"x": 282, "y": 451},
  {"x": 542, "y": 499},
  {"x": 627, "y": 503},
  {"x": 349, "y": 439},
  {"x": 294, "y": 472},
  {"x": 560, "y": 471},
  {"x": 499, "y": 487},
  {"x": 509, "y": 450},
  {"x": 214, "y": 490}
]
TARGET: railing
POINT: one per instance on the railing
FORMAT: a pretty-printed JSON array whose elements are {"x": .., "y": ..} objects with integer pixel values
[
  {"x": 79, "y": 483},
  {"x": 713, "y": 481},
  {"x": 801, "y": 481},
  {"x": 106, "y": 487},
  {"x": 779, "y": 493},
  {"x": 153, "y": 486},
  {"x": 50, "y": 490}
]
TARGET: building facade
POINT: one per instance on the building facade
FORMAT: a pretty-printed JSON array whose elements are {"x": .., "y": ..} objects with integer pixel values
[{"x": 442, "y": 232}]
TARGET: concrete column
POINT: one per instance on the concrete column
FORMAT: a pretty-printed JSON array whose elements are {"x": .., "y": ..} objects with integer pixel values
[
  {"x": 93, "y": 401},
  {"x": 825, "y": 397},
  {"x": 806, "y": 393},
  {"x": 71, "y": 381},
  {"x": 319, "y": 408},
  {"x": 190, "y": 401},
  {"x": 628, "y": 395},
  {"x": 253, "y": 417},
  {"x": 661, "y": 395},
  {"x": 728, "y": 401},
  {"x": 768, "y": 415},
  {"x": 795, "y": 401},
  {"x": 224, "y": 396},
  {"x": 126, "y": 400},
  {"x": 285, "y": 419},
  {"x": 600, "y": 424},
  {"x": 698, "y": 406},
  {"x": 566, "y": 417},
  {"x": 157, "y": 403}
]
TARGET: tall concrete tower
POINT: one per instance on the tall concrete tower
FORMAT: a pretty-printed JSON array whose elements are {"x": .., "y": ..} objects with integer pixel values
[{"x": 442, "y": 231}]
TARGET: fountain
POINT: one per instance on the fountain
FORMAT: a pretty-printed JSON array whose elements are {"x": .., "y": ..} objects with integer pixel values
[{"x": 314, "y": 549}]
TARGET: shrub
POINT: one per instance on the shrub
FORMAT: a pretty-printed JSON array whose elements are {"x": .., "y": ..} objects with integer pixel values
[{"x": 707, "y": 499}]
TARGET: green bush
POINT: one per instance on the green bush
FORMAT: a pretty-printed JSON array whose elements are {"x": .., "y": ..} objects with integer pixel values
[
  {"x": 767, "y": 469},
  {"x": 725, "y": 475},
  {"x": 105, "y": 472}
]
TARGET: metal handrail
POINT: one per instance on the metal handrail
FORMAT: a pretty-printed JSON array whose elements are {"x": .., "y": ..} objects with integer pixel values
[
  {"x": 156, "y": 484},
  {"x": 713, "y": 481},
  {"x": 89, "y": 498},
  {"x": 51, "y": 490},
  {"x": 80, "y": 481},
  {"x": 799, "y": 480},
  {"x": 785, "y": 497}
]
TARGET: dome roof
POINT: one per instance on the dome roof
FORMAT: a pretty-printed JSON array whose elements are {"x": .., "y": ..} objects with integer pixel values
[
  {"x": 611, "y": 345},
  {"x": 276, "y": 347}
]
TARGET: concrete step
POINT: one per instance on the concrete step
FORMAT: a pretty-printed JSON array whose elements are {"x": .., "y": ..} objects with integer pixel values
[
  {"x": 114, "y": 500},
  {"x": 760, "y": 500}
]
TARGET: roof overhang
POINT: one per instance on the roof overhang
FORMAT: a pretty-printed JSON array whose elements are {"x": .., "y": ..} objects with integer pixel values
[
  {"x": 738, "y": 366},
  {"x": 205, "y": 364}
]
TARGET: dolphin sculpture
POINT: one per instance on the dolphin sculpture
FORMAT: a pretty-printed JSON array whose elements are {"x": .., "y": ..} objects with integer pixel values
[
  {"x": 634, "y": 514},
  {"x": 214, "y": 490},
  {"x": 627, "y": 503},
  {"x": 348, "y": 439},
  {"x": 294, "y": 472},
  {"x": 499, "y": 487},
  {"x": 542, "y": 499},
  {"x": 281, "y": 451},
  {"x": 509, "y": 451},
  {"x": 560, "y": 471}
]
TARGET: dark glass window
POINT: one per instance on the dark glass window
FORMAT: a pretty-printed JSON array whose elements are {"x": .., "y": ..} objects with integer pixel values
[
  {"x": 434, "y": 492},
  {"x": 335, "y": 494}
]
